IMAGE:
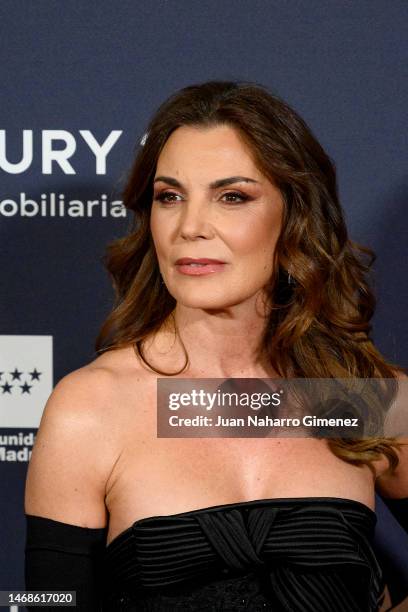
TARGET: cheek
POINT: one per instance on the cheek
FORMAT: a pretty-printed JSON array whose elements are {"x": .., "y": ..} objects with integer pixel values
[
  {"x": 256, "y": 238},
  {"x": 159, "y": 234},
  {"x": 254, "y": 247}
]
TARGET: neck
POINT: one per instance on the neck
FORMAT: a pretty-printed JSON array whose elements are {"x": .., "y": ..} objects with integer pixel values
[{"x": 219, "y": 343}]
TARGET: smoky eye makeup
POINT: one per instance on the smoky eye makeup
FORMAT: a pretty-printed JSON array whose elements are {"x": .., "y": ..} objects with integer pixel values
[
  {"x": 229, "y": 197},
  {"x": 167, "y": 198}
]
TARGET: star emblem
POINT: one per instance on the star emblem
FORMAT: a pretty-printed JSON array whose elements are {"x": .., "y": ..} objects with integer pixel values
[
  {"x": 35, "y": 375},
  {"x": 6, "y": 388},
  {"x": 16, "y": 374},
  {"x": 26, "y": 388}
]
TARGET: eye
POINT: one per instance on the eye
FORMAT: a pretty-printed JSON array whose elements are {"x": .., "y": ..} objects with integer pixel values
[
  {"x": 168, "y": 197},
  {"x": 236, "y": 194},
  {"x": 162, "y": 197}
]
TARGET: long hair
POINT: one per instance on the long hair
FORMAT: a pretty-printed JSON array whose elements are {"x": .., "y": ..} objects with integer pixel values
[{"x": 319, "y": 293}]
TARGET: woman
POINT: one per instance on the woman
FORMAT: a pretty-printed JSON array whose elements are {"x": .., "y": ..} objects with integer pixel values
[{"x": 228, "y": 173}]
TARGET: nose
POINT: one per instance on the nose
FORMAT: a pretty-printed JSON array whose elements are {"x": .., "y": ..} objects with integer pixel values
[{"x": 195, "y": 221}]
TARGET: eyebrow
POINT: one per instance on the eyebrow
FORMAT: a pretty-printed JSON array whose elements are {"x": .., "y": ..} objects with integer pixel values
[{"x": 214, "y": 185}]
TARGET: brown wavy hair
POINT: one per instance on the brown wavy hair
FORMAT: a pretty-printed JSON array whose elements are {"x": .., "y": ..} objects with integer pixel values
[{"x": 319, "y": 321}]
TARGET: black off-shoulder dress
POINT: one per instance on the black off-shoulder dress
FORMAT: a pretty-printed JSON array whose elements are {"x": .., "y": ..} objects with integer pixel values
[{"x": 310, "y": 554}]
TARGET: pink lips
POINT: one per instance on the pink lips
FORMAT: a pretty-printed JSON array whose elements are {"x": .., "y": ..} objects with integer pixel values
[{"x": 199, "y": 266}]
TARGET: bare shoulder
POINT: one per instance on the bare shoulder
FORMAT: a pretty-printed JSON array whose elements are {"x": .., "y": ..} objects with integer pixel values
[
  {"x": 78, "y": 442},
  {"x": 95, "y": 397},
  {"x": 87, "y": 393},
  {"x": 395, "y": 484}
]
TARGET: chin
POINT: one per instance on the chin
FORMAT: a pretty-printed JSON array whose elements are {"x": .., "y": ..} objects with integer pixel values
[
  {"x": 207, "y": 300},
  {"x": 204, "y": 303}
]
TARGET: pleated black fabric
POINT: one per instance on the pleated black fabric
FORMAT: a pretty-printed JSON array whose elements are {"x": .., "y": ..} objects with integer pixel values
[{"x": 292, "y": 555}]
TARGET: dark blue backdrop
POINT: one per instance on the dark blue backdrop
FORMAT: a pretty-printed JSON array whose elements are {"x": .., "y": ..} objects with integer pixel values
[{"x": 103, "y": 66}]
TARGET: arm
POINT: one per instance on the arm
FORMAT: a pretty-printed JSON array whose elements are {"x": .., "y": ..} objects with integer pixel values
[
  {"x": 61, "y": 556},
  {"x": 65, "y": 488},
  {"x": 393, "y": 486}
]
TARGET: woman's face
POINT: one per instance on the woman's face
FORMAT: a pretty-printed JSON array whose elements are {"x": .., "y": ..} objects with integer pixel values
[{"x": 194, "y": 215}]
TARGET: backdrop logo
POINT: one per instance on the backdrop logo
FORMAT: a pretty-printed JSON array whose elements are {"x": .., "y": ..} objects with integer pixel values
[
  {"x": 55, "y": 205},
  {"x": 12, "y": 381},
  {"x": 52, "y": 156},
  {"x": 26, "y": 379},
  {"x": 58, "y": 149}
]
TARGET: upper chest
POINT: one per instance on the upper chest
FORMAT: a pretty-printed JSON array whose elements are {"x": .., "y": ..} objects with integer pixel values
[{"x": 154, "y": 475}]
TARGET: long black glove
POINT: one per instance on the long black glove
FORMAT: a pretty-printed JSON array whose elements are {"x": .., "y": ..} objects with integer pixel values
[{"x": 60, "y": 556}]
